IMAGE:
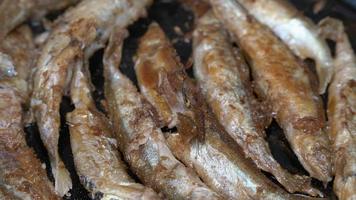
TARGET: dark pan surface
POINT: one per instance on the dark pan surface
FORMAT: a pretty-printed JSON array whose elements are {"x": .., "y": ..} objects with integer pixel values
[{"x": 170, "y": 14}]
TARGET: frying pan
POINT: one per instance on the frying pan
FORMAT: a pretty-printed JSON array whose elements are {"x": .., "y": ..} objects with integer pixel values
[{"x": 170, "y": 14}]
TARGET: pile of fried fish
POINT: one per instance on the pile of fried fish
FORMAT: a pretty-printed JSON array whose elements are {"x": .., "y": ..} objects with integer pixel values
[{"x": 182, "y": 137}]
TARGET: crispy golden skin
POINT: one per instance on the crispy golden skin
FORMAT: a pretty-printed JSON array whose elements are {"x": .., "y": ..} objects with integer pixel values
[
  {"x": 140, "y": 140},
  {"x": 21, "y": 173},
  {"x": 286, "y": 84},
  {"x": 342, "y": 110},
  {"x": 85, "y": 28},
  {"x": 96, "y": 158},
  {"x": 297, "y": 31},
  {"x": 15, "y": 12},
  {"x": 200, "y": 143}
]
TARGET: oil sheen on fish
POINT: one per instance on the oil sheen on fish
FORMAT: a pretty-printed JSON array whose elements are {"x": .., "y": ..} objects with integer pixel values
[
  {"x": 140, "y": 140},
  {"x": 21, "y": 173},
  {"x": 342, "y": 110},
  {"x": 297, "y": 31},
  {"x": 19, "y": 47},
  {"x": 96, "y": 158},
  {"x": 219, "y": 75},
  {"x": 215, "y": 157},
  {"x": 15, "y": 12},
  {"x": 285, "y": 84},
  {"x": 84, "y": 28}
]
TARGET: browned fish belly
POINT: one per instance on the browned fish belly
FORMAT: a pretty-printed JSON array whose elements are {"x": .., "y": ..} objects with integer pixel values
[{"x": 287, "y": 85}]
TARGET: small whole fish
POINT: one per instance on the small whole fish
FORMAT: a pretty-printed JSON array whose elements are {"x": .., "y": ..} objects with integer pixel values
[
  {"x": 140, "y": 140},
  {"x": 220, "y": 76},
  {"x": 21, "y": 173},
  {"x": 297, "y": 31},
  {"x": 200, "y": 142},
  {"x": 15, "y": 12},
  {"x": 342, "y": 110},
  {"x": 82, "y": 29},
  {"x": 285, "y": 84},
  {"x": 96, "y": 158}
]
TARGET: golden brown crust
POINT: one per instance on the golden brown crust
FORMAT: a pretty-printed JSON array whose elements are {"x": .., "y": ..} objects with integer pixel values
[
  {"x": 157, "y": 80},
  {"x": 286, "y": 85},
  {"x": 20, "y": 170}
]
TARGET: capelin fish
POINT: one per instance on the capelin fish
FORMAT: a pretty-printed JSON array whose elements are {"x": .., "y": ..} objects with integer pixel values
[
  {"x": 220, "y": 76},
  {"x": 15, "y": 12},
  {"x": 342, "y": 110},
  {"x": 85, "y": 28},
  {"x": 297, "y": 31},
  {"x": 286, "y": 85},
  {"x": 216, "y": 158},
  {"x": 140, "y": 140},
  {"x": 21, "y": 173},
  {"x": 21, "y": 51},
  {"x": 96, "y": 158}
]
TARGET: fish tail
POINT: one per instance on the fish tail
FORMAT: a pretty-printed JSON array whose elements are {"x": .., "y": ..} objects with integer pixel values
[
  {"x": 63, "y": 182},
  {"x": 324, "y": 76}
]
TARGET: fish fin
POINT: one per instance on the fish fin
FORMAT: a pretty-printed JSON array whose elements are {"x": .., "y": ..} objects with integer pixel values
[
  {"x": 63, "y": 182},
  {"x": 331, "y": 28}
]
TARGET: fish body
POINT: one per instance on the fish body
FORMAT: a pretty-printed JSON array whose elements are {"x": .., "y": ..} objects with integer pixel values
[
  {"x": 96, "y": 158},
  {"x": 140, "y": 139},
  {"x": 297, "y": 31},
  {"x": 15, "y": 12},
  {"x": 21, "y": 172},
  {"x": 214, "y": 156},
  {"x": 342, "y": 110},
  {"x": 285, "y": 84},
  {"x": 81, "y": 30}
]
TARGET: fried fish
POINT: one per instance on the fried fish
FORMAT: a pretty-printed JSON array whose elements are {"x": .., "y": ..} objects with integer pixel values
[
  {"x": 342, "y": 110},
  {"x": 15, "y": 12},
  {"x": 21, "y": 173},
  {"x": 221, "y": 79},
  {"x": 140, "y": 139},
  {"x": 285, "y": 84},
  {"x": 200, "y": 141},
  {"x": 85, "y": 28},
  {"x": 297, "y": 31},
  {"x": 96, "y": 158}
]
